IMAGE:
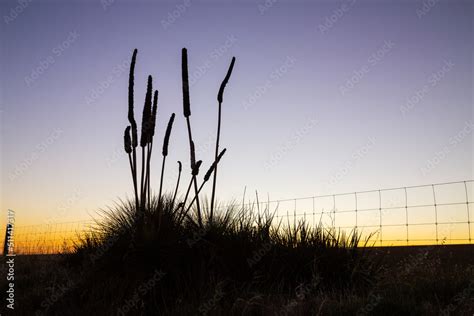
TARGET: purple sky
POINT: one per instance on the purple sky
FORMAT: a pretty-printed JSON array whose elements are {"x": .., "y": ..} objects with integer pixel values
[{"x": 325, "y": 97}]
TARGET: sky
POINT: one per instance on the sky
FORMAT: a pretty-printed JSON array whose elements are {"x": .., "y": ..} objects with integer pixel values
[{"x": 325, "y": 97}]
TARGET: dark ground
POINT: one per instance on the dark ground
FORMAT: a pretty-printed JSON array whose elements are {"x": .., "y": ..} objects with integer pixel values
[{"x": 417, "y": 273}]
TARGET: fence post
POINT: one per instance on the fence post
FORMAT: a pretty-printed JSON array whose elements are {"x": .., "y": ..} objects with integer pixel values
[
  {"x": 406, "y": 211},
  {"x": 355, "y": 196},
  {"x": 468, "y": 215},
  {"x": 294, "y": 215},
  {"x": 436, "y": 212},
  {"x": 380, "y": 215},
  {"x": 334, "y": 212}
]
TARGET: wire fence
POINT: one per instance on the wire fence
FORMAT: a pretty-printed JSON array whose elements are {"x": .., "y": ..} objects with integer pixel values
[
  {"x": 49, "y": 238},
  {"x": 415, "y": 215},
  {"x": 431, "y": 214}
]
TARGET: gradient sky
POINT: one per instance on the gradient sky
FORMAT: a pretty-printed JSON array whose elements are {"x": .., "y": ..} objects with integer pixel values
[{"x": 325, "y": 96}]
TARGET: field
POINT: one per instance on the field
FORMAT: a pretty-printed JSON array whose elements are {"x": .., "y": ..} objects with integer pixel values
[{"x": 217, "y": 271}]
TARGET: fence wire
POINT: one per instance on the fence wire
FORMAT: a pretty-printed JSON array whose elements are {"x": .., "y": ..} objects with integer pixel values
[{"x": 431, "y": 214}]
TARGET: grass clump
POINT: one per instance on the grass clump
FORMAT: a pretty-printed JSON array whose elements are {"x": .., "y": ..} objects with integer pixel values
[
  {"x": 230, "y": 261},
  {"x": 155, "y": 256}
]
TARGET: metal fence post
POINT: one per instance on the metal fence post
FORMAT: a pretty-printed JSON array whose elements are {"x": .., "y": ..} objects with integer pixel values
[
  {"x": 355, "y": 196},
  {"x": 468, "y": 215},
  {"x": 380, "y": 215},
  {"x": 294, "y": 214},
  {"x": 406, "y": 212},
  {"x": 436, "y": 212},
  {"x": 334, "y": 211}
]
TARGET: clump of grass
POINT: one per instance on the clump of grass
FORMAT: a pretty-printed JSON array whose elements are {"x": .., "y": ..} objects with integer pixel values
[
  {"x": 245, "y": 251},
  {"x": 237, "y": 250}
]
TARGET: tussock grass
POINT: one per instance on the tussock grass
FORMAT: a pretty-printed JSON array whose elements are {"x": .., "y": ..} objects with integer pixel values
[{"x": 240, "y": 252}]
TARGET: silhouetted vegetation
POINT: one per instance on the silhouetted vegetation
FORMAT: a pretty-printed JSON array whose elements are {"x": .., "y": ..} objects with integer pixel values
[
  {"x": 175, "y": 255},
  {"x": 241, "y": 263},
  {"x": 241, "y": 252}
]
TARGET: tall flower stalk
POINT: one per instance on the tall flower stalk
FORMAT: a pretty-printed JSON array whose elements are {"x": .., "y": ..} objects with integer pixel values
[
  {"x": 145, "y": 140},
  {"x": 133, "y": 126},
  {"x": 165, "y": 153},
  {"x": 152, "y": 123},
  {"x": 187, "y": 114},
  {"x": 127, "y": 141},
  {"x": 180, "y": 167},
  {"x": 142, "y": 197},
  {"x": 142, "y": 190},
  {"x": 219, "y": 99}
]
